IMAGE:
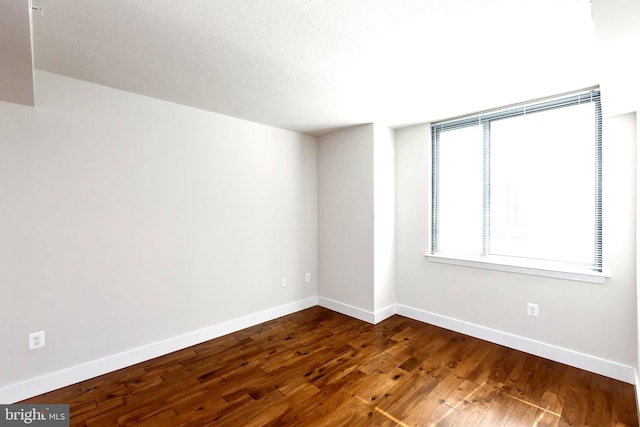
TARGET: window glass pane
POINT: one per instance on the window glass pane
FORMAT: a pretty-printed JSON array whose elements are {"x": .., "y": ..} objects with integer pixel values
[
  {"x": 542, "y": 185},
  {"x": 460, "y": 190}
]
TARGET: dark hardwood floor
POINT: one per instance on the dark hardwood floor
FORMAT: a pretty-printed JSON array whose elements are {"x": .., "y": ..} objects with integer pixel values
[{"x": 320, "y": 368}]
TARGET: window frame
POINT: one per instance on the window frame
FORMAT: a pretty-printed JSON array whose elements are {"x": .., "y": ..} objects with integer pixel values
[{"x": 593, "y": 274}]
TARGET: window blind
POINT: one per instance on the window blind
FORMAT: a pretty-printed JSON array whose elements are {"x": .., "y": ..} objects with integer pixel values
[{"x": 502, "y": 210}]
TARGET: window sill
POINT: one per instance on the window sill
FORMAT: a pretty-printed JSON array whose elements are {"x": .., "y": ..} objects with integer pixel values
[{"x": 532, "y": 269}]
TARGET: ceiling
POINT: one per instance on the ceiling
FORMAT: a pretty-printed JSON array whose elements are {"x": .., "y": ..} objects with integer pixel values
[{"x": 314, "y": 66}]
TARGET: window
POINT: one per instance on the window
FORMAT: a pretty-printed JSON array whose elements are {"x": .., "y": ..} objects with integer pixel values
[{"x": 521, "y": 186}]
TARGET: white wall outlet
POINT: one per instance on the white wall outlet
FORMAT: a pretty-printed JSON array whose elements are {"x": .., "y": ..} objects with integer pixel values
[
  {"x": 36, "y": 340},
  {"x": 307, "y": 277},
  {"x": 532, "y": 309},
  {"x": 284, "y": 282}
]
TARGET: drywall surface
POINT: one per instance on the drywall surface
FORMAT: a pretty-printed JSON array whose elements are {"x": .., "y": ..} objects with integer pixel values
[
  {"x": 345, "y": 217},
  {"x": 593, "y": 319},
  {"x": 126, "y": 220},
  {"x": 16, "y": 66},
  {"x": 384, "y": 217},
  {"x": 618, "y": 39}
]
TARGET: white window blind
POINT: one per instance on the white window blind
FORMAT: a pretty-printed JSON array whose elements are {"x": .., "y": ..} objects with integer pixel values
[{"x": 522, "y": 184}]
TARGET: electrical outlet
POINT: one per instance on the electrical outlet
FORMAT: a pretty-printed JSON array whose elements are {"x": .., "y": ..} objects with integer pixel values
[
  {"x": 36, "y": 340},
  {"x": 307, "y": 277},
  {"x": 532, "y": 309},
  {"x": 284, "y": 282}
]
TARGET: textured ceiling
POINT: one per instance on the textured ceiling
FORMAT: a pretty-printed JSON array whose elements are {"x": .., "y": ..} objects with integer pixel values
[{"x": 317, "y": 65}]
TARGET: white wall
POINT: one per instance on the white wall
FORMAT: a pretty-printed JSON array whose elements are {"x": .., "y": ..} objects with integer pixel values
[
  {"x": 637, "y": 321},
  {"x": 384, "y": 221},
  {"x": 125, "y": 220},
  {"x": 593, "y": 319},
  {"x": 618, "y": 40},
  {"x": 356, "y": 192},
  {"x": 637, "y": 262},
  {"x": 345, "y": 217},
  {"x": 16, "y": 51}
]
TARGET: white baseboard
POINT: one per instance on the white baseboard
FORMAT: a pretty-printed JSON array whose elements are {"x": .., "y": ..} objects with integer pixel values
[
  {"x": 548, "y": 351},
  {"x": 35, "y": 386},
  {"x": 357, "y": 312},
  {"x": 346, "y": 309},
  {"x": 384, "y": 313}
]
